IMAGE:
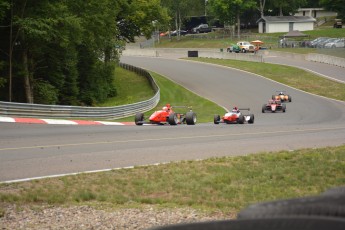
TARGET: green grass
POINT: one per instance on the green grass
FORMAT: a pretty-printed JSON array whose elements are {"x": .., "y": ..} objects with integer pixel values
[
  {"x": 130, "y": 87},
  {"x": 177, "y": 95},
  {"x": 290, "y": 76},
  {"x": 225, "y": 184}
]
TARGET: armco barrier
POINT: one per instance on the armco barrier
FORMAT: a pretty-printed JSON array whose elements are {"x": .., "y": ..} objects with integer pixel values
[
  {"x": 331, "y": 60},
  {"x": 234, "y": 56},
  {"x": 59, "y": 111}
]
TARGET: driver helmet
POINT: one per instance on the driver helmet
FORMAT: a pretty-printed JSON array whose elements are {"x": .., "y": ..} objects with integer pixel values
[{"x": 281, "y": 93}]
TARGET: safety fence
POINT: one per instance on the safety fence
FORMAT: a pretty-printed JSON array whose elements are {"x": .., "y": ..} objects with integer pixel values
[{"x": 60, "y": 111}]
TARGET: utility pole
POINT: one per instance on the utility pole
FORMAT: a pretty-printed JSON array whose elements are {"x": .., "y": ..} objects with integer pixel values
[
  {"x": 205, "y": 7},
  {"x": 10, "y": 57}
]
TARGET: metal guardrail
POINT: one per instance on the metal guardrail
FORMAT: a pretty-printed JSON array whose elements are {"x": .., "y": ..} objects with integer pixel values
[{"x": 59, "y": 111}]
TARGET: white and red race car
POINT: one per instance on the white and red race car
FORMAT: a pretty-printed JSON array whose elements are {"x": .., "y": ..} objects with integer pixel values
[{"x": 235, "y": 116}]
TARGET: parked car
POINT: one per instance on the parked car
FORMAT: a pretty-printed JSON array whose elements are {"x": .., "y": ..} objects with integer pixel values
[
  {"x": 202, "y": 28},
  {"x": 316, "y": 41},
  {"x": 233, "y": 48},
  {"x": 182, "y": 32},
  {"x": 246, "y": 46},
  {"x": 322, "y": 44},
  {"x": 338, "y": 23},
  {"x": 338, "y": 43}
]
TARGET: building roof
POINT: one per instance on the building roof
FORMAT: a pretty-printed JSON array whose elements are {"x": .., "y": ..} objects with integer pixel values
[{"x": 280, "y": 19}]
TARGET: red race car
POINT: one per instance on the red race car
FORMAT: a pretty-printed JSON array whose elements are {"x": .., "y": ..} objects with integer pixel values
[
  {"x": 235, "y": 116},
  {"x": 273, "y": 106},
  {"x": 282, "y": 96},
  {"x": 167, "y": 116}
]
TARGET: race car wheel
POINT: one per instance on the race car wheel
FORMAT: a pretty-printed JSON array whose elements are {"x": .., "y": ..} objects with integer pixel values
[
  {"x": 284, "y": 108},
  {"x": 172, "y": 119},
  {"x": 263, "y": 109},
  {"x": 289, "y": 98},
  {"x": 251, "y": 119},
  {"x": 216, "y": 119},
  {"x": 190, "y": 118},
  {"x": 139, "y": 118},
  {"x": 241, "y": 119}
]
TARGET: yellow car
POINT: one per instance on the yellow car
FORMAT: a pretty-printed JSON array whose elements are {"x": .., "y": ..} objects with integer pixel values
[{"x": 282, "y": 96}]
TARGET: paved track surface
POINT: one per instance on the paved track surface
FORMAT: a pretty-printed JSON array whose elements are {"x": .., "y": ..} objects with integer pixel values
[
  {"x": 35, "y": 150},
  {"x": 333, "y": 72}
]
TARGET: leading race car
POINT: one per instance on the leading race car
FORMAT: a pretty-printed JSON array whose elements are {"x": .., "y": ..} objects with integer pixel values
[
  {"x": 282, "y": 96},
  {"x": 273, "y": 106},
  {"x": 167, "y": 116},
  {"x": 235, "y": 116}
]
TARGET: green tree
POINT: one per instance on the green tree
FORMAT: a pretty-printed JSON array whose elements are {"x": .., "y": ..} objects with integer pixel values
[
  {"x": 65, "y": 51},
  {"x": 334, "y": 5},
  {"x": 284, "y": 7},
  {"x": 229, "y": 11}
]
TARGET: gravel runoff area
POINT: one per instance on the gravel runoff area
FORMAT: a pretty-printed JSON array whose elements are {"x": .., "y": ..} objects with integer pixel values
[{"x": 86, "y": 217}]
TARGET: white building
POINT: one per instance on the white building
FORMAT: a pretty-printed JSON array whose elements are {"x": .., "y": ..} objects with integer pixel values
[
  {"x": 315, "y": 12},
  {"x": 274, "y": 24}
]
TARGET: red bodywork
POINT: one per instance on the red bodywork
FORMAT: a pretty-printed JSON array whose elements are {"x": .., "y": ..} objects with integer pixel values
[
  {"x": 273, "y": 106},
  {"x": 167, "y": 116},
  {"x": 160, "y": 116},
  {"x": 230, "y": 117}
]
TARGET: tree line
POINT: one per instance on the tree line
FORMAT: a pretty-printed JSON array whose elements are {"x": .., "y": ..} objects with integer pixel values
[{"x": 65, "y": 52}]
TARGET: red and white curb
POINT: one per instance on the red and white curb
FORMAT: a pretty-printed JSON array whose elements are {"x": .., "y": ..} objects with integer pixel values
[{"x": 60, "y": 122}]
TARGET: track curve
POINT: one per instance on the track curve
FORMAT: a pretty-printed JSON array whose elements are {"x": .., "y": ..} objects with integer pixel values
[{"x": 29, "y": 151}]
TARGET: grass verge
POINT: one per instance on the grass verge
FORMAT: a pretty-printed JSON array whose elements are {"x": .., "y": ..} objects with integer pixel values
[
  {"x": 130, "y": 87},
  {"x": 225, "y": 184},
  {"x": 290, "y": 76}
]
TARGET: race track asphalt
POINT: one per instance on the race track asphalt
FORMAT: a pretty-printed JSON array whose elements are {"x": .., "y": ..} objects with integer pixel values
[{"x": 34, "y": 150}]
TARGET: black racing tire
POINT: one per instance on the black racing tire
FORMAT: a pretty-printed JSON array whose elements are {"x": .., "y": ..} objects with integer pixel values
[
  {"x": 332, "y": 205},
  {"x": 190, "y": 118},
  {"x": 280, "y": 223},
  {"x": 244, "y": 50},
  {"x": 283, "y": 108},
  {"x": 216, "y": 119},
  {"x": 139, "y": 118},
  {"x": 241, "y": 119},
  {"x": 172, "y": 119},
  {"x": 251, "y": 119},
  {"x": 289, "y": 98},
  {"x": 263, "y": 108}
]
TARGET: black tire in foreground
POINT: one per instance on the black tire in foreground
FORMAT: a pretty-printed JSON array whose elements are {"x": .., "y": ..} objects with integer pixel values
[
  {"x": 172, "y": 119},
  {"x": 216, "y": 119},
  {"x": 241, "y": 119},
  {"x": 281, "y": 223},
  {"x": 251, "y": 119},
  {"x": 331, "y": 205},
  {"x": 190, "y": 118},
  {"x": 139, "y": 118}
]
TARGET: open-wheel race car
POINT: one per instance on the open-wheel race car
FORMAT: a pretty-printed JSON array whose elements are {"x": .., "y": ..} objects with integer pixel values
[
  {"x": 282, "y": 96},
  {"x": 273, "y": 106},
  {"x": 235, "y": 116},
  {"x": 167, "y": 116}
]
